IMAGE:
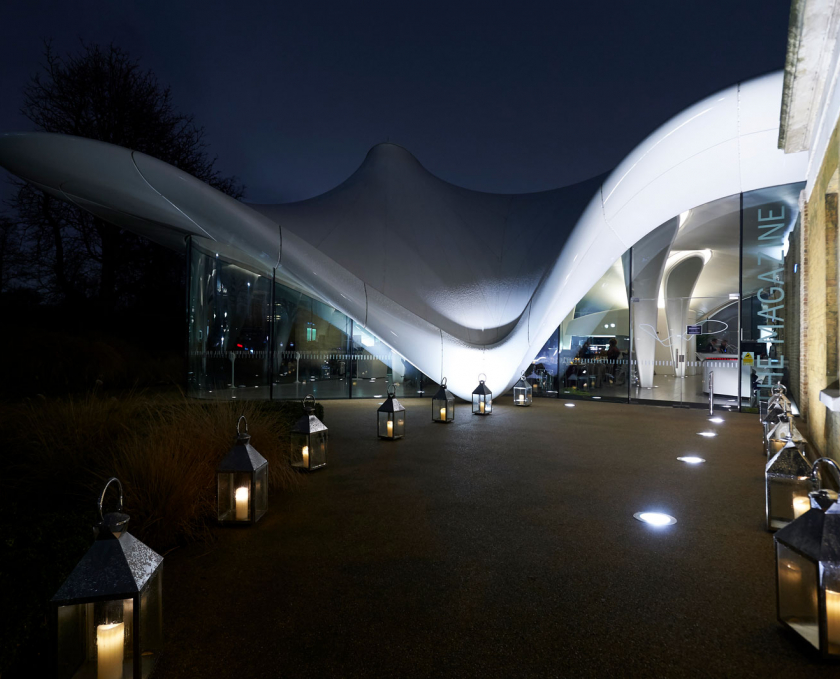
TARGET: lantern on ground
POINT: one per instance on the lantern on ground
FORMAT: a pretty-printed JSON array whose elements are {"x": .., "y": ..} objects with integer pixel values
[
  {"x": 390, "y": 418},
  {"x": 443, "y": 404},
  {"x": 783, "y": 431},
  {"x": 522, "y": 392},
  {"x": 309, "y": 440},
  {"x": 787, "y": 484},
  {"x": 242, "y": 482},
  {"x": 808, "y": 578},
  {"x": 482, "y": 398},
  {"x": 107, "y": 616}
]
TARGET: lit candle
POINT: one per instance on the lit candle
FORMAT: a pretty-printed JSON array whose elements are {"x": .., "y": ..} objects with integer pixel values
[
  {"x": 522, "y": 398},
  {"x": 832, "y": 617},
  {"x": 242, "y": 504},
  {"x": 390, "y": 427},
  {"x": 801, "y": 504},
  {"x": 306, "y": 456},
  {"x": 110, "y": 640},
  {"x": 443, "y": 413},
  {"x": 481, "y": 407}
]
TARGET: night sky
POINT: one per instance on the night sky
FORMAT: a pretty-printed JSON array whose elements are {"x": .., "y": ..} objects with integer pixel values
[{"x": 511, "y": 97}]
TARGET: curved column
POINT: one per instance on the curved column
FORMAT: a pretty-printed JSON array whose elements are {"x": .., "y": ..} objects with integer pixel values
[{"x": 679, "y": 287}]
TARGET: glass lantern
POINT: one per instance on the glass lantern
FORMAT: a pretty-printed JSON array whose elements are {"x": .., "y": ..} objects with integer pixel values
[
  {"x": 308, "y": 446},
  {"x": 522, "y": 392},
  {"x": 787, "y": 484},
  {"x": 482, "y": 398},
  {"x": 242, "y": 482},
  {"x": 107, "y": 617},
  {"x": 778, "y": 436},
  {"x": 390, "y": 418},
  {"x": 443, "y": 404},
  {"x": 808, "y": 578}
]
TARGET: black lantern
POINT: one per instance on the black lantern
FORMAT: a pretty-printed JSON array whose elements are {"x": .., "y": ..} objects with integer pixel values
[
  {"x": 443, "y": 404},
  {"x": 108, "y": 615},
  {"x": 787, "y": 484},
  {"x": 523, "y": 392},
  {"x": 390, "y": 418},
  {"x": 309, "y": 440},
  {"x": 482, "y": 398},
  {"x": 242, "y": 482},
  {"x": 808, "y": 577}
]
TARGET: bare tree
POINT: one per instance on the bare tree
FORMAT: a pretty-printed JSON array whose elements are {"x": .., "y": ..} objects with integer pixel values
[{"x": 102, "y": 93}]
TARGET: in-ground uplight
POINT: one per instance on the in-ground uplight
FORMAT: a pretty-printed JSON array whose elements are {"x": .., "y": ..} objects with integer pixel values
[
  {"x": 691, "y": 459},
  {"x": 655, "y": 518}
]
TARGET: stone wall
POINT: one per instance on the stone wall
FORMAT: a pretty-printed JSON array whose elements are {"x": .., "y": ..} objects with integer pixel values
[{"x": 820, "y": 351}]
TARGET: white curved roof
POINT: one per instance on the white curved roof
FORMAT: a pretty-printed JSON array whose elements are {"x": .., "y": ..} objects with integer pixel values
[{"x": 457, "y": 281}]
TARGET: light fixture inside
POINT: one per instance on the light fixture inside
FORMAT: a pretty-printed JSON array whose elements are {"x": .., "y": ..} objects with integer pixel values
[
  {"x": 707, "y": 433},
  {"x": 716, "y": 420},
  {"x": 655, "y": 518},
  {"x": 691, "y": 459}
]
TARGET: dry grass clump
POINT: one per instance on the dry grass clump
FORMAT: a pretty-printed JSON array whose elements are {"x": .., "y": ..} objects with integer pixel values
[{"x": 163, "y": 449}]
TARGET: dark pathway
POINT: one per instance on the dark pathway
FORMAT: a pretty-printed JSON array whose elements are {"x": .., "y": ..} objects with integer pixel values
[{"x": 502, "y": 546}]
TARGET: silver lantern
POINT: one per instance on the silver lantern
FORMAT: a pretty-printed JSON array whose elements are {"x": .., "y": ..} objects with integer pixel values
[
  {"x": 443, "y": 404},
  {"x": 242, "y": 482},
  {"x": 309, "y": 437},
  {"x": 482, "y": 398},
  {"x": 523, "y": 392},
  {"x": 783, "y": 431},
  {"x": 787, "y": 479},
  {"x": 107, "y": 617},
  {"x": 390, "y": 418}
]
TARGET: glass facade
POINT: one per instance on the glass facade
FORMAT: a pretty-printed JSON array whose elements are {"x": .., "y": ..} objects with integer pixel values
[
  {"x": 707, "y": 299},
  {"x": 255, "y": 337},
  {"x": 708, "y": 296}
]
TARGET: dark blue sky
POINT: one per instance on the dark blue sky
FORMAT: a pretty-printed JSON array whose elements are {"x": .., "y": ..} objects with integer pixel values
[{"x": 511, "y": 97}]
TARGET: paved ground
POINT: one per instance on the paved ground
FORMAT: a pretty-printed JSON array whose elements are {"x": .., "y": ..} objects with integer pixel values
[{"x": 502, "y": 546}]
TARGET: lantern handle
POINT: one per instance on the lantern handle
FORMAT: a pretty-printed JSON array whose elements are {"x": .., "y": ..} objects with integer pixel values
[
  {"x": 479, "y": 377},
  {"x": 780, "y": 388},
  {"x": 815, "y": 467},
  {"x": 391, "y": 390},
  {"x": 240, "y": 421},
  {"x": 443, "y": 383},
  {"x": 102, "y": 496},
  {"x": 306, "y": 398}
]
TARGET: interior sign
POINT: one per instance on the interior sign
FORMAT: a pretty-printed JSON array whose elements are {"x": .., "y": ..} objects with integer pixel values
[{"x": 692, "y": 330}]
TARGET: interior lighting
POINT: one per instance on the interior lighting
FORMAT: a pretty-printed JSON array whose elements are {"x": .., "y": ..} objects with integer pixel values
[{"x": 655, "y": 518}]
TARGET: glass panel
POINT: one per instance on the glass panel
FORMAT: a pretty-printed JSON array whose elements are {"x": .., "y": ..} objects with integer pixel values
[
  {"x": 260, "y": 492},
  {"x": 311, "y": 341},
  {"x": 70, "y": 651},
  {"x": 318, "y": 449},
  {"x": 594, "y": 340},
  {"x": 151, "y": 623},
  {"x": 96, "y": 639},
  {"x": 385, "y": 425},
  {"x": 300, "y": 450},
  {"x": 228, "y": 333},
  {"x": 770, "y": 323},
  {"x": 787, "y": 499},
  {"x": 797, "y": 593},
  {"x": 685, "y": 307},
  {"x": 542, "y": 373},
  {"x": 376, "y": 365},
  {"x": 831, "y": 587}
]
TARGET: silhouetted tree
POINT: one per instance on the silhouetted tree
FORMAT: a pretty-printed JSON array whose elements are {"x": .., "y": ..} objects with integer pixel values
[{"x": 102, "y": 93}]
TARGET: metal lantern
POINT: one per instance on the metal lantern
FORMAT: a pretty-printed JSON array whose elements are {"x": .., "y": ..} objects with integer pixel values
[
  {"x": 808, "y": 578},
  {"x": 777, "y": 406},
  {"x": 522, "y": 392},
  {"x": 482, "y": 398},
  {"x": 443, "y": 404},
  {"x": 309, "y": 440},
  {"x": 787, "y": 482},
  {"x": 390, "y": 418},
  {"x": 242, "y": 482},
  {"x": 783, "y": 431},
  {"x": 107, "y": 616}
]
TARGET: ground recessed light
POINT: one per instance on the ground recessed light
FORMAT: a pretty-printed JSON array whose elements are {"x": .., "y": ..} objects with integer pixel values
[
  {"x": 706, "y": 433},
  {"x": 655, "y": 518},
  {"x": 691, "y": 459},
  {"x": 596, "y": 398},
  {"x": 569, "y": 405},
  {"x": 716, "y": 420}
]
